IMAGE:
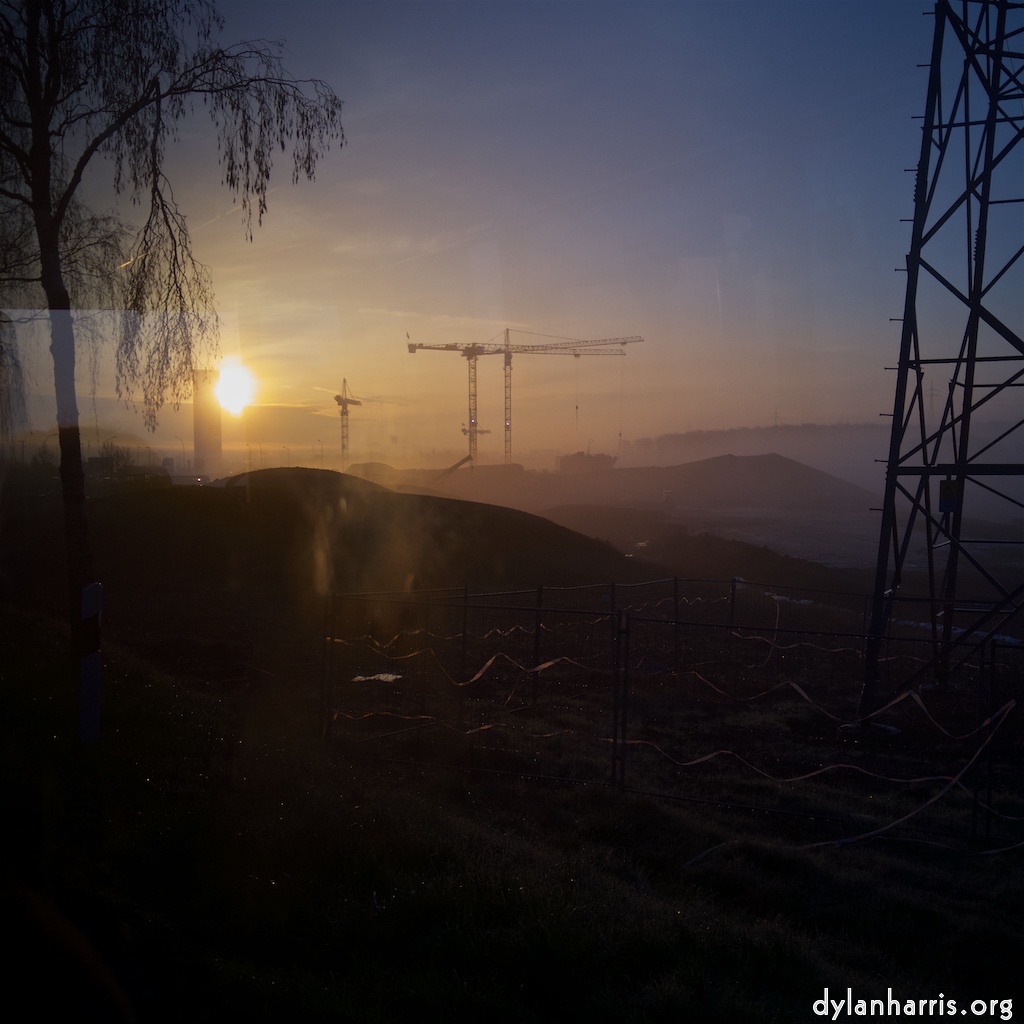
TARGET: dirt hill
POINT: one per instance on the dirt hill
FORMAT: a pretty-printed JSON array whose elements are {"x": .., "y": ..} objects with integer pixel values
[
  {"x": 751, "y": 483},
  {"x": 762, "y": 500},
  {"x": 760, "y": 485},
  {"x": 195, "y": 569},
  {"x": 205, "y": 578},
  {"x": 691, "y": 551}
]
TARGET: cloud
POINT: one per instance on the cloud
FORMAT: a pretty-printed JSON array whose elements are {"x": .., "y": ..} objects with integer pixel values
[
  {"x": 396, "y": 249},
  {"x": 446, "y": 320}
]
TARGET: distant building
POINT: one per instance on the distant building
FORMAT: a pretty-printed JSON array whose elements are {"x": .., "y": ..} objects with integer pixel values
[
  {"x": 584, "y": 462},
  {"x": 206, "y": 430},
  {"x": 100, "y": 467}
]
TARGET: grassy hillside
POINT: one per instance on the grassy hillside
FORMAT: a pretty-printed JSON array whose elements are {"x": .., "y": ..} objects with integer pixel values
[
  {"x": 756, "y": 483},
  {"x": 213, "y": 859},
  {"x": 698, "y": 553},
  {"x": 206, "y": 862},
  {"x": 205, "y": 573},
  {"x": 764, "y": 500}
]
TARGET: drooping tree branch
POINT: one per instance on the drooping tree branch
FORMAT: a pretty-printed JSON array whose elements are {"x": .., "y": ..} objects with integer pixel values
[
  {"x": 100, "y": 86},
  {"x": 111, "y": 80}
]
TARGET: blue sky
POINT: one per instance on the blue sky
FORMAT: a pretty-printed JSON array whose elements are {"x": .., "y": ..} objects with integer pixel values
[{"x": 724, "y": 178}]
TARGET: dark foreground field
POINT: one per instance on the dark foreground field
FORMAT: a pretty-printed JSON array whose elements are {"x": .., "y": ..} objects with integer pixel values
[{"x": 211, "y": 859}]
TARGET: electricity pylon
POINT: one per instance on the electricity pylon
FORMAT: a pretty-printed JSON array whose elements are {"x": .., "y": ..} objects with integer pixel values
[{"x": 955, "y": 465}]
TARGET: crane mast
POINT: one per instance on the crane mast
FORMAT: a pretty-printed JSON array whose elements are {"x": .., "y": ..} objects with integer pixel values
[
  {"x": 344, "y": 400},
  {"x": 561, "y": 346}
]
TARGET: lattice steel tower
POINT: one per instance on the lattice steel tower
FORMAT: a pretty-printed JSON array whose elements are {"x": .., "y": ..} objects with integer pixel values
[{"x": 951, "y": 545}]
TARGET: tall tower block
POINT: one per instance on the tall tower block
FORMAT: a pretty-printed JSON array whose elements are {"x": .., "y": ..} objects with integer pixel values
[
  {"x": 951, "y": 546},
  {"x": 206, "y": 427}
]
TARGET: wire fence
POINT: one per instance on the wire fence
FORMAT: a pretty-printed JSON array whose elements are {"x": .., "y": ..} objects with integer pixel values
[{"x": 671, "y": 688}]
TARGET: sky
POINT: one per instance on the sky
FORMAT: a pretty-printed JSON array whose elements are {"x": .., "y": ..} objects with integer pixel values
[{"x": 724, "y": 178}]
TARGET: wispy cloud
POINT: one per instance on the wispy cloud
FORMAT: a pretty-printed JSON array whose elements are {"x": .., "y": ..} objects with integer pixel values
[
  {"x": 396, "y": 249},
  {"x": 447, "y": 320}
]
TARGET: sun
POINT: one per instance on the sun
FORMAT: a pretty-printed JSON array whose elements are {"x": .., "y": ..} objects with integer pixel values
[{"x": 235, "y": 388}]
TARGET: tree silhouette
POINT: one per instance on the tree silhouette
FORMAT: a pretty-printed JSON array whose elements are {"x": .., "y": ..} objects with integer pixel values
[
  {"x": 118, "y": 456},
  {"x": 93, "y": 87}
]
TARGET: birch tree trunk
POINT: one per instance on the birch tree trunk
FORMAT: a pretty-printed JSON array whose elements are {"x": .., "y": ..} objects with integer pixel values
[{"x": 84, "y": 594}]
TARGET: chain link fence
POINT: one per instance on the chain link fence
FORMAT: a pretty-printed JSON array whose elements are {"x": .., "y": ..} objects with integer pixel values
[{"x": 672, "y": 688}]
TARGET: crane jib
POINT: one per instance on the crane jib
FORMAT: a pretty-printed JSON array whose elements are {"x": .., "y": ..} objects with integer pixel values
[{"x": 556, "y": 346}]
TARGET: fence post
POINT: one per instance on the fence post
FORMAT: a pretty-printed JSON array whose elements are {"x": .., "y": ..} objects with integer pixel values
[
  {"x": 675, "y": 625},
  {"x": 465, "y": 654},
  {"x": 616, "y": 698},
  {"x": 984, "y": 706},
  {"x": 326, "y": 661},
  {"x": 90, "y": 660},
  {"x": 620, "y": 695},
  {"x": 465, "y": 629},
  {"x": 537, "y": 625},
  {"x": 422, "y": 676}
]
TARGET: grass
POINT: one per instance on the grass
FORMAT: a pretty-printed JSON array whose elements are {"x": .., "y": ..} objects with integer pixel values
[{"x": 213, "y": 859}]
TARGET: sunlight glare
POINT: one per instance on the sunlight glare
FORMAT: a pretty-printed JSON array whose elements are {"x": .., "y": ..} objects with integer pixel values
[{"x": 235, "y": 388}]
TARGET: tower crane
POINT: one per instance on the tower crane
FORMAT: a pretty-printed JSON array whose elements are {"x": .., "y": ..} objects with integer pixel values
[
  {"x": 557, "y": 346},
  {"x": 344, "y": 400}
]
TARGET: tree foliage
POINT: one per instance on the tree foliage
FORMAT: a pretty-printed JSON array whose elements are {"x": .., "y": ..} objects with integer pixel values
[{"x": 89, "y": 85}]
